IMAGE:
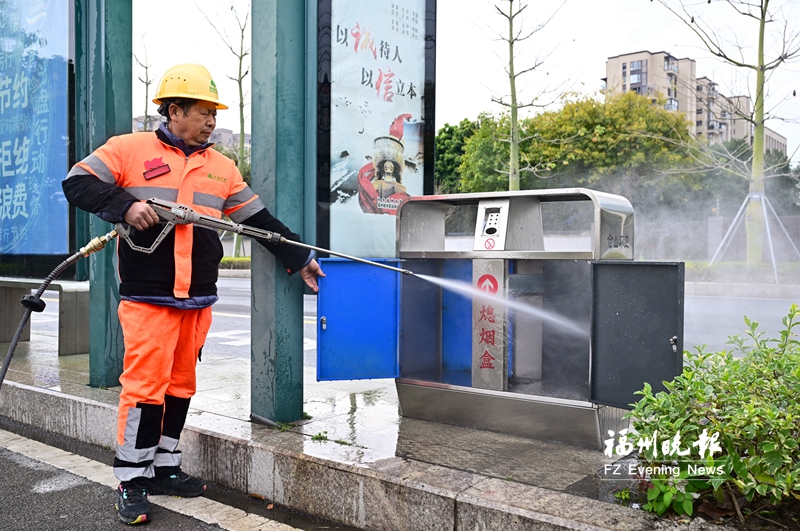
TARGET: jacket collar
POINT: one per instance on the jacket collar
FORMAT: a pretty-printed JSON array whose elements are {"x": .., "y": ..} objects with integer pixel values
[{"x": 168, "y": 138}]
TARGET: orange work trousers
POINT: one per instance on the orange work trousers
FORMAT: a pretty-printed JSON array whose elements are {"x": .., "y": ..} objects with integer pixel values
[{"x": 162, "y": 345}]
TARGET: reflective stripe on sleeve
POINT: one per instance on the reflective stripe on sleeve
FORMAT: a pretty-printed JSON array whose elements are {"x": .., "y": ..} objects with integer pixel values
[
  {"x": 97, "y": 167},
  {"x": 239, "y": 198},
  {"x": 246, "y": 210}
]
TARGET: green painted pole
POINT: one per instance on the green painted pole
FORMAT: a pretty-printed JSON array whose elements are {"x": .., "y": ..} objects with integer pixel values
[
  {"x": 310, "y": 210},
  {"x": 103, "y": 49},
  {"x": 278, "y": 163}
]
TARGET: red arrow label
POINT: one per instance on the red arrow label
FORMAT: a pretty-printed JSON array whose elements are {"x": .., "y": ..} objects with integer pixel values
[{"x": 488, "y": 284}]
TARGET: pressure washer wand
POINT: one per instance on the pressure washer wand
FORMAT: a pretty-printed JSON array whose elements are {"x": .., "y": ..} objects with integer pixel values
[
  {"x": 175, "y": 214},
  {"x": 34, "y": 303},
  {"x": 342, "y": 255}
]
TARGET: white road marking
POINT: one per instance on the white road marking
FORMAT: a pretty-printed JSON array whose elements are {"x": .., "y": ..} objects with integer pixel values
[
  {"x": 306, "y": 320},
  {"x": 201, "y": 508},
  {"x": 40, "y": 320},
  {"x": 240, "y": 338},
  {"x": 57, "y": 483}
]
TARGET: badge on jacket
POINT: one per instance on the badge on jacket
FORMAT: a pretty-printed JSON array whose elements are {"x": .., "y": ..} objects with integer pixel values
[{"x": 155, "y": 168}]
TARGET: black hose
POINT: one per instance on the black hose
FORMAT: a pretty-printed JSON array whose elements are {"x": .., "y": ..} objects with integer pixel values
[
  {"x": 13, "y": 347},
  {"x": 34, "y": 303}
]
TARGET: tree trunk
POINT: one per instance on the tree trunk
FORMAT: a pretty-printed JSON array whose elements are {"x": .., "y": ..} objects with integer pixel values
[
  {"x": 513, "y": 163},
  {"x": 755, "y": 222},
  {"x": 237, "y": 241}
]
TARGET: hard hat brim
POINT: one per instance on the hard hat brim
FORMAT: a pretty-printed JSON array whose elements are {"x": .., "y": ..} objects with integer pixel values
[{"x": 217, "y": 104}]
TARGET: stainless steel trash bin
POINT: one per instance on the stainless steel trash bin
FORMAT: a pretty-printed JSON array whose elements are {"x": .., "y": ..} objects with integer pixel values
[{"x": 576, "y": 325}]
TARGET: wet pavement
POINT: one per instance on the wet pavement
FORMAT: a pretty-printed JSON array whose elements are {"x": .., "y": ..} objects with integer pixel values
[
  {"x": 354, "y": 422},
  {"x": 355, "y": 434}
]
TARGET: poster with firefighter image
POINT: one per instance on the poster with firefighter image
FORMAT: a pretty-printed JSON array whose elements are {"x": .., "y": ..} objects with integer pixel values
[{"x": 378, "y": 73}]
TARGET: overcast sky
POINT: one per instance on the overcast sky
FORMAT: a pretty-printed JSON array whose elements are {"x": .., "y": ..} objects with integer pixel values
[{"x": 574, "y": 46}]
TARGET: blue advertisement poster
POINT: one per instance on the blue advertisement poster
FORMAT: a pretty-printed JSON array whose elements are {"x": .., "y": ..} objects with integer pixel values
[{"x": 33, "y": 126}]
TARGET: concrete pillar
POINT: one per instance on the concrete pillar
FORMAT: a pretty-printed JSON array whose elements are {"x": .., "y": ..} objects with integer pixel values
[
  {"x": 11, "y": 313},
  {"x": 73, "y": 327},
  {"x": 278, "y": 164},
  {"x": 103, "y": 74}
]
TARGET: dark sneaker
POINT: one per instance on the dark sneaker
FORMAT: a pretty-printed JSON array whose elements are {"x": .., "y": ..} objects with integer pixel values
[
  {"x": 179, "y": 484},
  {"x": 132, "y": 504}
]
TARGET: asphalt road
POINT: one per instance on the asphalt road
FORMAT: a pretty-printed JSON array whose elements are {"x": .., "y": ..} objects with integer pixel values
[
  {"x": 63, "y": 484},
  {"x": 230, "y": 329},
  {"x": 711, "y": 321}
]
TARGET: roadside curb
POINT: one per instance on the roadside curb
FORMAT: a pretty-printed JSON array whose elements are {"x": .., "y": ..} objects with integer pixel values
[
  {"x": 234, "y": 273},
  {"x": 756, "y": 291}
]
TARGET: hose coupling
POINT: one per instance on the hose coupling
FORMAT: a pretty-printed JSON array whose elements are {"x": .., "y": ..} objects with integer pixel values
[{"x": 98, "y": 243}]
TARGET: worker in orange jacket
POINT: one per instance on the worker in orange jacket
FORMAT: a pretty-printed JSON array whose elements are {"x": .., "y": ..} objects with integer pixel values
[{"x": 165, "y": 310}]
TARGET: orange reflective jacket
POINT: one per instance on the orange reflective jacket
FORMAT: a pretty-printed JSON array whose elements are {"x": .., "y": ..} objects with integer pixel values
[{"x": 147, "y": 165}]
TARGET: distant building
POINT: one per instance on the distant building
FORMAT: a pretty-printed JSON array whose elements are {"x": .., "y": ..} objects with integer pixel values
[
  {"x": 221, "y": 136},
  {"x": 151, "y": 124},
  {"x": 229, "y": 139},
  {"x": 717, "y": 117}
]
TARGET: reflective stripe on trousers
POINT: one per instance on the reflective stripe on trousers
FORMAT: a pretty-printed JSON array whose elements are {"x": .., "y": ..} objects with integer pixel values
[{"x": 158, "y": 379}]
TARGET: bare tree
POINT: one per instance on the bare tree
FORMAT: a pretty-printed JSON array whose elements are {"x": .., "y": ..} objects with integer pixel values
[
  {"x": 241, "y": 51},
  {"x": 775, "y": 24},
  {"x": 515, "y": 35},
  {"x": 147, "y": 81}
]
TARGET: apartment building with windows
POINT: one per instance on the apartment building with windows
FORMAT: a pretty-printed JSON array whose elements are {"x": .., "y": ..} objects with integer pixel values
[
  {"x": 711, "y": 115},
  {"x": 651, "y": 74}
]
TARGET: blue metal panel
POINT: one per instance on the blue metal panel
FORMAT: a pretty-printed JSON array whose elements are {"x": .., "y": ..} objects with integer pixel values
[
  {"x": 360, "y": 307},
  {"x": 457, "y": 325}
]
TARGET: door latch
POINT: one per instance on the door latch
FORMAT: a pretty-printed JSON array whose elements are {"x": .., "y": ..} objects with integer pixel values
[
  {"x": 672, "y": 341},
  {"x": 324, "y": 322}
]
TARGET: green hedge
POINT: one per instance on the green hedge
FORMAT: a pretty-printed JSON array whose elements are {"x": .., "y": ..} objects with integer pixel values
[
  {"x": 752, "y": 402},
  {"x": 230, "y": 262}
]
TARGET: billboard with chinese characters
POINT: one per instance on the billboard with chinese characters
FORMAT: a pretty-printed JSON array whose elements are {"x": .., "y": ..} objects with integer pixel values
[
  {"x": 33, "y": 127},
  {"x": 380, "y": 114}
]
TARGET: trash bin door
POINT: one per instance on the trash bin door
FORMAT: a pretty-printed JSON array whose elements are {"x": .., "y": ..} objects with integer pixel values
[
  {"x": 637, "y": 328},
  {"x": 357, "y": 321}
]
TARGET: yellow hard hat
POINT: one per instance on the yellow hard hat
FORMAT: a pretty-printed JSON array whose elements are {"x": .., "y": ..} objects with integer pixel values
[{"x": 189, "y": 81}]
